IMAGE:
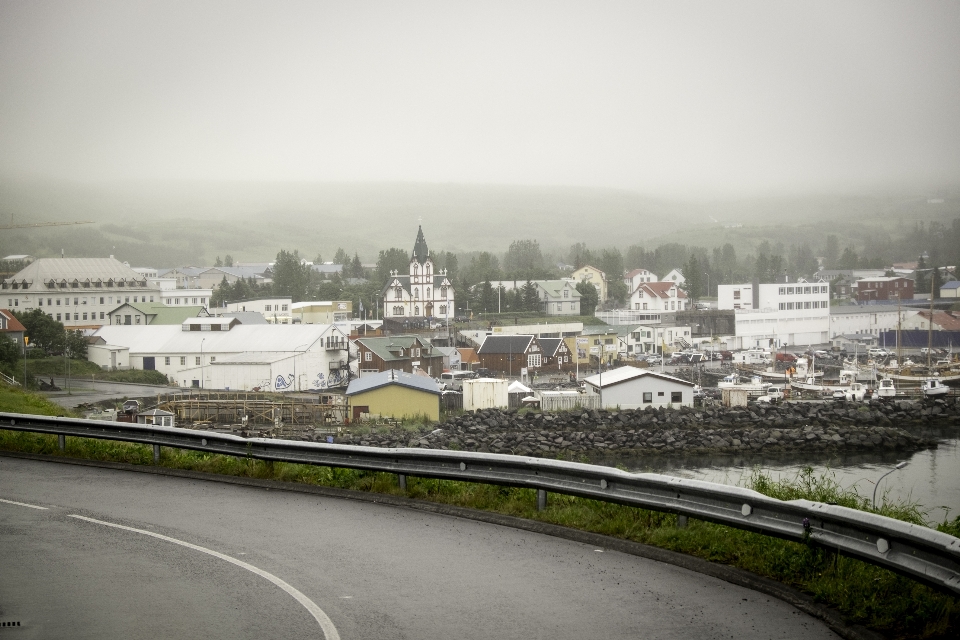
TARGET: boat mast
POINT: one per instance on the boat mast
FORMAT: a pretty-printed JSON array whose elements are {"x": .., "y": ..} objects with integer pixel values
[{"x": 930, "y": 328}]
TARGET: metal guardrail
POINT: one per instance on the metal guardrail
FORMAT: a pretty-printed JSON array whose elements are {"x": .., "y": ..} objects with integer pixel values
[{"x": 921, "y": 553}]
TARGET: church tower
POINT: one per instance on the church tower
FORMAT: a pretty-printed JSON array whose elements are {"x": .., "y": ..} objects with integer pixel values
[{"x": 424, "y": 293}]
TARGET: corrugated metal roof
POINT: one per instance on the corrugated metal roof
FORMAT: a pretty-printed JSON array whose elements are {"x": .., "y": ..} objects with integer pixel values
[
  {"x": 384, "y": 378},
  {"x": 159, "y": 339},
  {"x": 46, "y": 269},
  {"x": 622, "y": 374}
]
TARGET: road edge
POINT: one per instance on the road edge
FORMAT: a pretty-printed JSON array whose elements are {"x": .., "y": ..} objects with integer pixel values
[{"x": 740, "y": 577}]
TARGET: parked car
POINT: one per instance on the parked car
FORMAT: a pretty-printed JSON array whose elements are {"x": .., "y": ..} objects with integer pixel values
[
  {"x": 654, "y": 359},
  {"x": 775, "y": 392},
  {"x": 786, "y": 357},
  {"x": 876, "y": 352},
  {"x": 726, "y": 355}
]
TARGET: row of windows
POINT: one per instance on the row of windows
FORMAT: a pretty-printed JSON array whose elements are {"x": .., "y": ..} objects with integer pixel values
[
  {"x": 202, "y": 301},
  {"x": 816, "y": 304},
  {"x": 674, "y": 305},
  {"x": 398, "y": 310},
  {"x": 66, "y": 316},
  {"x": 183, "y": 360},
  {"x": 789, "y": 291},
  {"x": 78, "y": 302},
  {"x": 675, "y": 396},
  {"x": 266, "y": 307},
  {"x": 98, "y": 284}
]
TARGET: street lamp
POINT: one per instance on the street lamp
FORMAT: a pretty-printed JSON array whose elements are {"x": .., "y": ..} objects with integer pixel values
[
  {"x": 896, "y": 468},
  {"x": 708, "y": 283},
  {"x": 296, "y": 380},
  {"x": 201, "y": 362}
]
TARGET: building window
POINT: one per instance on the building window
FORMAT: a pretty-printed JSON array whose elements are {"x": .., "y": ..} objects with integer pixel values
[
  {"x": 806, "y": 305},
  {"x": 676, "y": 396},
  {"x": 783, "y": 305},
  {"x": 213, "y": 359},
  {"x": 166, "y": 360},
  {"x": 197, "y": 360},
  {"x": 416, "y": 310},
  {"x": 782, "y": 290},
  {"x": 398, "y": 311},
  {"x": 58, "y": 317},
  {"x": 806, "y": 289},
  {"x": 267, "y": 307},
  {"x": 416, "y": 293},
  {"x": 443, "y": 309},
  {"x": 183, "y": 360},
  {"x": 648, "y": 397},
  {"x": 736, "y": 294},
  {"x": 135, "y": 321},
  {"x": 58, "y": 302},
  {"x": 76, "y": 316},
  {"x": 283, "y": 307},
  {"x": 367, "y": 357}
]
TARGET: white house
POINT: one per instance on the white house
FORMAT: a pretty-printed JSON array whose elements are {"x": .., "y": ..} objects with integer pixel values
[
  {"x": 322, "y": 312},
  {"x": 870, "y": 319},
  {"x": 263, "y": 356},
  {"x": 425, "y": 292},
  {"x": 632, "y": 388},
  {"x": 635, "y": 278},
  {"x": 675, "y": 276},
  {"x": 658, "y": 296}
]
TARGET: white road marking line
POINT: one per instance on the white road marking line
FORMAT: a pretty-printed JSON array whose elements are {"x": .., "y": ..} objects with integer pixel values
[
  {"x": 23, "y": 504},
  {"x": 326, "y": 625}
]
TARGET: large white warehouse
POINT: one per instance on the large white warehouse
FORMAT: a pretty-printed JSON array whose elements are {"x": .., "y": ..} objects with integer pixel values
[{"x": 220, "y": 353}]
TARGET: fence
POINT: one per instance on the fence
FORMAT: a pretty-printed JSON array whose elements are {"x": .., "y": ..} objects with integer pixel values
[{"x": 916, "y": 551}]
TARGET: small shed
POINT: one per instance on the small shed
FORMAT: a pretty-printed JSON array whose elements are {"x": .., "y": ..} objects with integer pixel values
[
  {"x": 157, "y": 417},
  {"x": 485, "y": 393},
  {"x": 516, "y": 392},
  {"x": 394, "y": 394},
  {"x": 633, "y": 388},
  {"x": 734, "y": 397}
]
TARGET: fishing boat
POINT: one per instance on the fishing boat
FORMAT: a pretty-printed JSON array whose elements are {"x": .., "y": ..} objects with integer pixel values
[
  {"x": 886, "y": 389},
  {"x": 847, "y": 378},
  {"x": 934, "y": 387},
  {"x": 754, "y": 386}
]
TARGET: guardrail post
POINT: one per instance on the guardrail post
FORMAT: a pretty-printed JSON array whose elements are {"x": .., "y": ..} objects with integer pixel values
[
  {"x": 541, "y": 499},
  {"x": 156, "y": 454},
  {"x": 402, "y": 479},
  {"x": 682, "y": 522},
  {"x": 62, "y": 441}
]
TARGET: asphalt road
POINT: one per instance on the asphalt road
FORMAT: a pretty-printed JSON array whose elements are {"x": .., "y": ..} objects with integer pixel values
[
  {"x": 86, "y": 390},
  {"x": 370, "y": 570}
]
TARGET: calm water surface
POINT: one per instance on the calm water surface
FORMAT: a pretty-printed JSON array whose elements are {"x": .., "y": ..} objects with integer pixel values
[{"x": 931, "y": 477}]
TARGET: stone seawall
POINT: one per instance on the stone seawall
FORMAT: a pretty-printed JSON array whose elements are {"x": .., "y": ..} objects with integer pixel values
[{"x": 801, "y": 427}]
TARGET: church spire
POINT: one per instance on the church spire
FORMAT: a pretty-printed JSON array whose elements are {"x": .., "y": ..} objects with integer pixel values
[{"x": 420, "y": 250}]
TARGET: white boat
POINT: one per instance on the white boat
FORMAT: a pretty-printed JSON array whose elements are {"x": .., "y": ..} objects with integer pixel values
[
  {"x": 755, "y": 386},
  {"x": 847, "y": 378},
  {"x": 886, "y": 389},
  {"x": 933, "y": 387}
]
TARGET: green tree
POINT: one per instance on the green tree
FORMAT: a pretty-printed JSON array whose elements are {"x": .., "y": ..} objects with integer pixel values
[
  {"x": 580, "y": 256},
  {"x": 693, "y": 274},
  {"x": 221, "y": 294},
  {"x": 228, "y": 260},
  {"x": 389, "y": 260},
  {"x": 341, "y": 257},
  {"x": 10, "y": 352},
  {"x": 849, "y": 259},
  {"x": 523, "y": 261},
  {"x": 588, "y": 298},
  {"x": 531, "y": 297},
  {"x": 76, "y": 345},
  {"x": 291, "y": 277},
  {"x": 44, "y": 332},
  {"x": 488, "y": 298},
  {"x": 484, "y": 266},
  {"x": 318, "y": 259},
  {"x": 218, "y": 262},
  {"x": 356, "y": 267}
]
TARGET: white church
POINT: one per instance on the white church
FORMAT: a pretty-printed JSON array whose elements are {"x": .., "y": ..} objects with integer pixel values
[{"x": 425, "y": 293}]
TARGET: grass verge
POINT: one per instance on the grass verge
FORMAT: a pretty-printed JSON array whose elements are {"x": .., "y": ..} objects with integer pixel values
[{"x": 867, "y": 595}]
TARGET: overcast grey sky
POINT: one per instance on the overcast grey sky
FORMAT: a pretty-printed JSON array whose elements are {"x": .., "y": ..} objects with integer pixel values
[{"x": 681, "y": 98}]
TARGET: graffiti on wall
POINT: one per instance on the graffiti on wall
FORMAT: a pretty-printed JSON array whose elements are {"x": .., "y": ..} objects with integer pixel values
[
  {"x": 335, "y": 379},
  {"x": 283, "y": 383}
]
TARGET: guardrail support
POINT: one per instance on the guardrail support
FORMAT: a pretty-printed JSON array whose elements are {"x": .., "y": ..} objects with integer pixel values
[
  {"x": 62, "y": 441},
  {"x": 156, "y": 454},
  {"x": 402, "y": 479},
  {"x": 682, "y": 522},
  {"x": 541, "y": 499}
]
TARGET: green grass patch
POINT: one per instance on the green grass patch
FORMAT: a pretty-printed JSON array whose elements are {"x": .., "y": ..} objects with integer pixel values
[
  {"x": 54, "y": 367},
  {"x": 865, "y": 594},
  {"x": 15, "y": 400}
]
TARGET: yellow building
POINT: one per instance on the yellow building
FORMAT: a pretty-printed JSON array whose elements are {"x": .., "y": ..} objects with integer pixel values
[
  {"x": 594, "y": 276},
  {"x": 327, "y": 312},
  {"x": 591, "y": 343},
  {"x": 393, "y": 394}
]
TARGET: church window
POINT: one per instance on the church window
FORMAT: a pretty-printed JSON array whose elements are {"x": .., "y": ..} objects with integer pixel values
[
  {"x": 427, "y": 296},
  {"x": 443, "y": 292},
  {"x": 416, "y": 269},
  {"x": 398, "y": 293},
  {"x": 443, "y": 309},
  {"x": 416, "y": 293},
  {"x": 416, "y": 310}
]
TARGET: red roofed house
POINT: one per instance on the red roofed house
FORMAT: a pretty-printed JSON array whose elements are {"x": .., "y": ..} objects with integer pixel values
[
  {"x": 11, "y": 327},
  {"x": 658, "y": 296},
  {"x": 887, "y": 288}
]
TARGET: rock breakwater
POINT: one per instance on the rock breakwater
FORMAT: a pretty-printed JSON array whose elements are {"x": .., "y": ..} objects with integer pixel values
[{"x": 801, "y": 427}]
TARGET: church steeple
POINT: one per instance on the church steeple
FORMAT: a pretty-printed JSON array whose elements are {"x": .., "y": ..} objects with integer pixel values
[{"x": 420, "y": 250}]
